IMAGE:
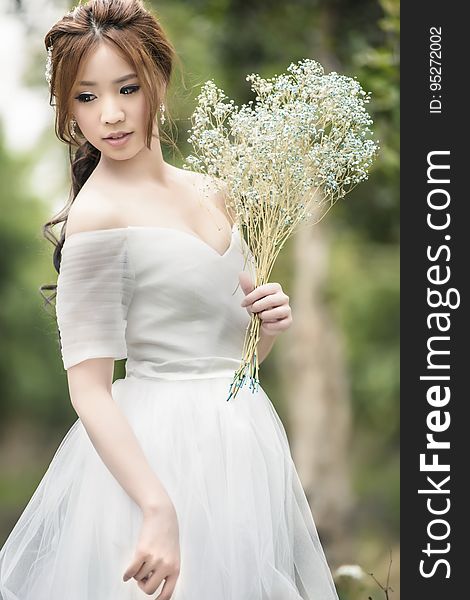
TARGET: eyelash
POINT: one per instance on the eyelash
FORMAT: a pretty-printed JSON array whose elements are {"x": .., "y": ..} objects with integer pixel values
[{"x": 134, "y": 89}]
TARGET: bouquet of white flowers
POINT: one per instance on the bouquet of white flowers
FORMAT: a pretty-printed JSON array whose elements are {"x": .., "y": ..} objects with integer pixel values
[{"x": 285, "y": 159}]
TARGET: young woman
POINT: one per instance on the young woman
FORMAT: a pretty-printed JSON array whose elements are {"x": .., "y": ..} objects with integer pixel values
[{"x": 161, "y": 486}]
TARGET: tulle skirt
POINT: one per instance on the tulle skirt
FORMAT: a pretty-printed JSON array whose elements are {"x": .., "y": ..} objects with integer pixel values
[{"x": 246, "y": 530}]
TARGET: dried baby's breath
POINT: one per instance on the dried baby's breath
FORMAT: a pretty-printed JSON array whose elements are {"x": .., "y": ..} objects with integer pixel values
[{"x": 284, "y": 159}]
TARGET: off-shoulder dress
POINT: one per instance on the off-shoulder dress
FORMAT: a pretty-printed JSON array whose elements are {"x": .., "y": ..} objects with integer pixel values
[{"x": 170, "y": 304}]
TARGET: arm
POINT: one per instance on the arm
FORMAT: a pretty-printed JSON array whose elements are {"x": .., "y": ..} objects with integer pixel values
[
  {"x": 157, "y": 555},
  {"x": 95, "y": 288},
  {"x": 265, "y": 344},
  {"x": 88, "y": 320},
  {"x": 90, "y": 394}
]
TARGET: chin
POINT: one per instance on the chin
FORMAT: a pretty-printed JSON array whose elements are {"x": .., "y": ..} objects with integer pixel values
[
  {"x": 117, "y": 153},
  {"x": 117, "y": 156}
]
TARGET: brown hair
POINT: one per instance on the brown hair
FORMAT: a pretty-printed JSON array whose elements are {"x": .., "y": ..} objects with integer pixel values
[{"x": 138, "y": 36}]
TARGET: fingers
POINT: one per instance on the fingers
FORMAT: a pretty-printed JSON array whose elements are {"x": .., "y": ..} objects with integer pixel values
[
  {"x": 145, "y": 571},
  {"x": 273, "y": 315},
  {"x": 166, "y": 576},
  {"x": 261, "y": 290},
  {"x": 168, "y": 588},
  {"x": 134, "y": 567},
  {"x": 141, "y": 569},
  {"x": 269, "y": 302},
  {"x": 151, "y": 584},
  {"x": 150, "y": 577},
  {"x": 275, "y": 327}
]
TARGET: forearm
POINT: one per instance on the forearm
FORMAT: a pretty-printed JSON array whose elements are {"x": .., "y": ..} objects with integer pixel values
[
  {"x": 265, "y": 344},
  {"x": 118, "y": 447}
]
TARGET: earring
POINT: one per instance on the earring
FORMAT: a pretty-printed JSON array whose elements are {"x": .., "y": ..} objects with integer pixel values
[
  {"x": 162, "y": 111},
  {"x": 72, "y": 127}
]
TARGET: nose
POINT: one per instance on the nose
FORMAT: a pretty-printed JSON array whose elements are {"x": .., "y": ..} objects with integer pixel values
[{"x": 111, "y": 112}]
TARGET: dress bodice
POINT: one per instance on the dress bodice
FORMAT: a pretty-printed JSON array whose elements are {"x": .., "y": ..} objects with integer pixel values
[{"x": 160, "y": 297}]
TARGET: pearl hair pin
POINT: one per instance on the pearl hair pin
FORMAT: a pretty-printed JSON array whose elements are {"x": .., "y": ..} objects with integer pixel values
[{"x": 48, "y": 72}]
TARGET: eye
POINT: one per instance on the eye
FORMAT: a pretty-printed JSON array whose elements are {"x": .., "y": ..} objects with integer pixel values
[
  {"x": 82, "y": 97},
  {"x": 133, "y": 88}
]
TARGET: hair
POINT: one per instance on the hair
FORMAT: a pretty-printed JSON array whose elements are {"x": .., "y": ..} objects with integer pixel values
[{"x": 140, "y": 39}]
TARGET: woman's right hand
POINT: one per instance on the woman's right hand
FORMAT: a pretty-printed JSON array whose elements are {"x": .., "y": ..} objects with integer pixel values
[{"x": 157, "y": 556}]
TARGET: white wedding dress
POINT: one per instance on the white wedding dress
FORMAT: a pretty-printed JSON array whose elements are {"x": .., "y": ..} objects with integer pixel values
[{"x": 169, "y": 303}]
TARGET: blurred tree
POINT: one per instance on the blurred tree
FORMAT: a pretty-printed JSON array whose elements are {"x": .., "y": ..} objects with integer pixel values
[{"x": 29, "y": 365}]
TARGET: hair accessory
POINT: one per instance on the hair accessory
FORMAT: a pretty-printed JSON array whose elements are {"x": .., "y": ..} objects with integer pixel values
[
  {"x": 162, "y": 111},
  {"x": 48, "y": 72}
]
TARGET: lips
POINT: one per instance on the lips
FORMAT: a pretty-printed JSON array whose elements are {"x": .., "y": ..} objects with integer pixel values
[
  {"x": 117, "y": 135},
  {"x": 118, "y": 142}
]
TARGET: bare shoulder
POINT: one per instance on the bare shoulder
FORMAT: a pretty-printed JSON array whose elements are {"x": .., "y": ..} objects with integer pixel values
[
  {"x": 91, "y": 210},
  {"x": 218, "y": 191}
]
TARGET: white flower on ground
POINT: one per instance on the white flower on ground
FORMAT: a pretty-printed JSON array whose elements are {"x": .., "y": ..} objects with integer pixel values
[{"x": 353, "y": 571}]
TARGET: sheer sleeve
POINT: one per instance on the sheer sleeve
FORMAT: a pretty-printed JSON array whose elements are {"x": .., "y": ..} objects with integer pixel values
[{"x": 94, "y": 290}]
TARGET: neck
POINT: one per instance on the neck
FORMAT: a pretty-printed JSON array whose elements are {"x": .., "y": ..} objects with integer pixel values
[{"x": 144, "y": 166}]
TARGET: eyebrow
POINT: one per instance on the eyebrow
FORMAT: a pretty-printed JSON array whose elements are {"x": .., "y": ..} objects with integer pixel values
[{"x": 120, "y": 80}]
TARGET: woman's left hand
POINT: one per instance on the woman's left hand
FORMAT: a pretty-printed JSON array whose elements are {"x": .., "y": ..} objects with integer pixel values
[{"x": 269, "y": 302}]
